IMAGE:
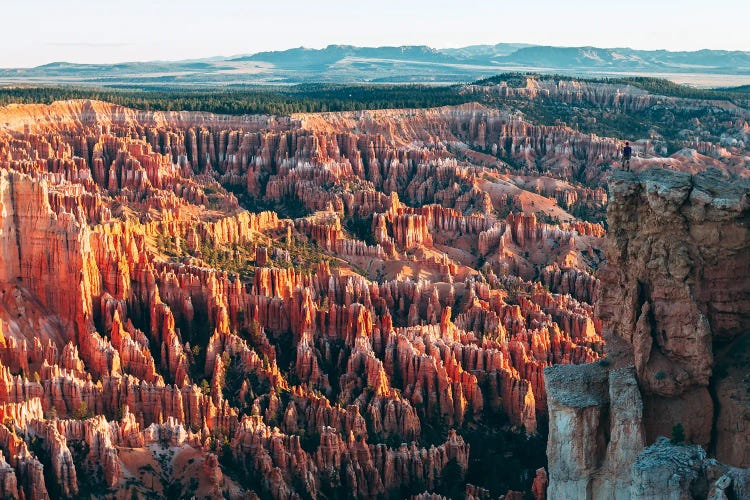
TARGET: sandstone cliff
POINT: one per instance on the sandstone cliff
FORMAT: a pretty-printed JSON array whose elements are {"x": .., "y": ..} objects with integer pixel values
[{"x": 674, "y": 305}]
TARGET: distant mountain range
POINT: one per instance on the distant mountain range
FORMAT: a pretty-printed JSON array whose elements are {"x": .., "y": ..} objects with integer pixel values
[{"x": 349, "y": 64}]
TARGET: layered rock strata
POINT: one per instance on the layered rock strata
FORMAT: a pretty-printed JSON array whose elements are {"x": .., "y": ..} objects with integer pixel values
[{"x": 675, "y": 303}]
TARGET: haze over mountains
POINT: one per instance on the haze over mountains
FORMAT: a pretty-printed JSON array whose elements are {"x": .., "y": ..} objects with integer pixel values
[{"x": 349, "y": 64}]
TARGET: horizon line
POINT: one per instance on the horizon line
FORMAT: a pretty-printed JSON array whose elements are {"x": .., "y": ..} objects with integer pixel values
[{"x": 320, "y": 48}]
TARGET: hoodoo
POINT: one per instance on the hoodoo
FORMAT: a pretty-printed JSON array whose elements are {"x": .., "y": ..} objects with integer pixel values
[{"x": 375, "y": 303}]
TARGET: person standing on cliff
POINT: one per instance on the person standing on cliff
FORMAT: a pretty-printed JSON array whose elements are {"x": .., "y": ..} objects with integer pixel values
[{"x": 627, "y": 151}]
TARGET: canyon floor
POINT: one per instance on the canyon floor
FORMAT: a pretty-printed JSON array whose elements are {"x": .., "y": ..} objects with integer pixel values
[{"x": 331, "y": 305}]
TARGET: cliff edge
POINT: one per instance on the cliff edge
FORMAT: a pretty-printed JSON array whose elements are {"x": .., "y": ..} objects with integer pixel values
[{"x": 675, "y": 307}]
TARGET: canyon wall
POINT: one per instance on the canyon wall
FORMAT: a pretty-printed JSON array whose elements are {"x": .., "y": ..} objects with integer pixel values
[{"x": 675, "y": 308}]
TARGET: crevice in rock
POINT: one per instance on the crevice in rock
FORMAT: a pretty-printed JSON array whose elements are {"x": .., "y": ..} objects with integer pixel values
[
  {"x": 714, "y": 431},
  {"x": 16, "y": 226},
  {"x": 603, "y": 435}
]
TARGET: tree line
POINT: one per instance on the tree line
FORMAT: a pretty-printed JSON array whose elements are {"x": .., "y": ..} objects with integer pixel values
[
  {"x": 236, "y": 101},
  {"x": 316, "y": 98}
]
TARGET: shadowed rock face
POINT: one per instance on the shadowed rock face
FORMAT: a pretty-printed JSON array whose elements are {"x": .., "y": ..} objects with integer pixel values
[
  {"x": 675, "y": 304},
  {"x": 383, "y": 302},
  {"x": 678, "y": 263}
]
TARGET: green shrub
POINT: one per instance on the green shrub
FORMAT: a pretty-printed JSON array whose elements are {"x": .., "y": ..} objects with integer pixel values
[{"x": 83, "y": 412}]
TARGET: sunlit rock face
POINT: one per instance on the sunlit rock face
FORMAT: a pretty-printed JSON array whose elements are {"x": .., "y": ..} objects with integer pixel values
[{"x": 210, "y": 305}]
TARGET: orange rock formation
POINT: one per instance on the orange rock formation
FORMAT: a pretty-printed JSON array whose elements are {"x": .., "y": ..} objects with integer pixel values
[{"x": 375, "y": 303}]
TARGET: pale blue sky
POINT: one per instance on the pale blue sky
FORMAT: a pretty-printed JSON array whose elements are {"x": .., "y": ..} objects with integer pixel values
[{"x": 96, "y": 31}]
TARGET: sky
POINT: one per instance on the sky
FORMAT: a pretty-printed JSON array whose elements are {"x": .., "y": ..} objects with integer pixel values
[{"x": 37, "y": 32}]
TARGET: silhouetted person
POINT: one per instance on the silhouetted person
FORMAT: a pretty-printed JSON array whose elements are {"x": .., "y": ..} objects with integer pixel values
[{"x": 627, "y": 152}]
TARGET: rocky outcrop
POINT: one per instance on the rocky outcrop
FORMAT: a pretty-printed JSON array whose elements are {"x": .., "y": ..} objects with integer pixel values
[
  {"x": 666, "y": 470},
  {"x": 674, "y": 305},
  {"x": 577, "y": 444},
  {"x": 596, "y": 424},
  {"x": 685, "y": 294}
]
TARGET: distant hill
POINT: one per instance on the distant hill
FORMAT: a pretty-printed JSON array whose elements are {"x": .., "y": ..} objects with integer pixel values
[
  {"x": 624, "y": 60},
  {"x": 321, "y": 58},
  {"x": 741, "y": 88},
  {"x": 404, "y": 64}
]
